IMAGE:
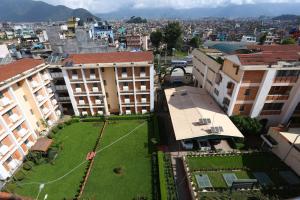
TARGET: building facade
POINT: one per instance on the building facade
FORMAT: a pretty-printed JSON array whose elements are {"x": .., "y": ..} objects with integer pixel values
[
  {"x": 264, "y": 84},
  {"x": 27, "y": 108},
  {"x": 110, "y": 83}
]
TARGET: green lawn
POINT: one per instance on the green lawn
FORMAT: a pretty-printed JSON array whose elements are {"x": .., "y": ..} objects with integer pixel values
[
  {"x": 131, "y": 154},
  {"x": 256, "y": 161},
  {"x": 78, "y": 139}
]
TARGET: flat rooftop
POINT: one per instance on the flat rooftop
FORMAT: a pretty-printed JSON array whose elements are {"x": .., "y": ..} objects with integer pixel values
[{"x": 187, "y": 105}]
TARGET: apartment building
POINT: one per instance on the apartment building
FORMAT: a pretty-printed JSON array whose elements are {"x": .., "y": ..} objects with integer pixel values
[
  {"x": 205, "y": 68},
  {"x": 110, "y": 83},
  {"x": 27, "y": 108},
  {"x": 134, "y": 41},
  {"x": 264, "y": 84}
]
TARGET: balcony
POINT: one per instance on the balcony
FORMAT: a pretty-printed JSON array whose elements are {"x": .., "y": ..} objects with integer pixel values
[
  {"x": 14, "y": 117},
  {"x": 46, "y": 77},
  {"x": 78, "y": 90},
  {"x": 22, "y": 132},
  {"x": 3, "y": 150},
  {"x": 54, "y": 102},
  {"x": 45, "y": 111},
  {"x": 98, "y": 101},
  {"x": 40, "y": 98},
  {"x": 5, "y": 101},
  {"x": 81, "y": 102},
  {"x": 14, "y": 164}
]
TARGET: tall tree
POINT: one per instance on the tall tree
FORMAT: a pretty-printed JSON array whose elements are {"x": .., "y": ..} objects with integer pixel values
[
  {"x": 156, "y": 38},
  {"x": 195, "y": 42},
  {"x": 173, "y": 36},
  {"x": 288, "y": 40}
]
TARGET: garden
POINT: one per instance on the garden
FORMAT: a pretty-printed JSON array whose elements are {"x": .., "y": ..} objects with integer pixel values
[
  {"x": 122, "y": 165},
  {"x": 222, "y": 176}
]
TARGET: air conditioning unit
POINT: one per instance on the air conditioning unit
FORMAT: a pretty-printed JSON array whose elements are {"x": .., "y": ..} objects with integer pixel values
[
  {"x": 95, "y": 89},
  {"x": 144, "y": 111},
  {"x": 58, "y": 112},
  {"x": 49, "y": 122},
  {"x": 100, "y": 112},
  {"x": 125, "y": 88},
  {"x": 22, "y": 132},
  {"x": 4, "y": 101},
  {"x": 124, "y": 75},
  {"x": 98, "y": 101},
  {"x": 127, "y": 100},
  {"x": 143, "y": 88},
  {"x": 78, "y": 90},
  {"x": 14, "y": 117},
  {"x": 84, "y": 113},
  {"x": 92, "y": 76},
  {"x": 81, "y": 102},
  {"x": 128, "y": 112},
  {"x": 144, "y": 100},
  {"x": 49, "y": 90}
]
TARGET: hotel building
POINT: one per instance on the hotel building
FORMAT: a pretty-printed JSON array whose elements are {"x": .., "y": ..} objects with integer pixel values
[
  {"x": 109, "y": 83},
  {"x": 264, "y": 84},
  {"x": 27, "y": 108}
]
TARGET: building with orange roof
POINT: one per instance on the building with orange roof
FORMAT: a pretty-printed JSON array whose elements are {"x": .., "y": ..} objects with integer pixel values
[
  {"x": 26, "y": 102},
  {"x": 263, "y": 84}
]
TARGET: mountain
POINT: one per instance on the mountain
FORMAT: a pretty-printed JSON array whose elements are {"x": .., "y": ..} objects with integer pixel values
[
  {"x": 230, "y": 11},
  {"x": 36, "y": 11},
  {"x": 287, "y": 17}
]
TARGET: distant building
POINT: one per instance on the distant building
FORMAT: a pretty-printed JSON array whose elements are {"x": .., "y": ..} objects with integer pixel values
[
  {"x": 102, "y": 31},
  {"x": 249, "y": 39},
  {"x": 134, "y": 41}
]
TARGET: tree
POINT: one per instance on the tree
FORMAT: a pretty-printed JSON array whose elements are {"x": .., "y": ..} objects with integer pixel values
[
  {"x": 195, "y": 42},
  {"x": 247, "y": 125},
  {"x": 156, "y": 38},
  {"x": 173, "y": 36},
  {"x": 262, "y": 39},
  {"x": 288, "y": 40}
]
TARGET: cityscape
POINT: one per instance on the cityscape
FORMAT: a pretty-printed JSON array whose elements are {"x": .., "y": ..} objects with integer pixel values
[{"x": 149, "y": 100}]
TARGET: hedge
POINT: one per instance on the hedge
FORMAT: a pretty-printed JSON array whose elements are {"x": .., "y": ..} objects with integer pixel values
[
  {"x": 162, "y": 177},
  {"x": 113, "y": 117},
  {"x": 156, "y": 128}
]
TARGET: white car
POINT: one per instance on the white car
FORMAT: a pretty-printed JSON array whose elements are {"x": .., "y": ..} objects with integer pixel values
[{"x": 188, "y": 145}]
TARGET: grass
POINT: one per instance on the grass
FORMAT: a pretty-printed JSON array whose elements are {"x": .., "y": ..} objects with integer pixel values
[
  {"x": 78, "y": 139},
  {"x": 162, "y": 177},
  {"x": 130, "y": 152},
  {"x": 256, "y": 161}
]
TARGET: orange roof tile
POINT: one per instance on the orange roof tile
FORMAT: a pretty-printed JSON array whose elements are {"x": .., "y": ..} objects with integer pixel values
[
  {"x": 12, "y": 69},
  {"x": 111, "y": 57}
]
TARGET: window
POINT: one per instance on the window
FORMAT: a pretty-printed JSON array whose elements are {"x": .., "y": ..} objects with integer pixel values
[
  {"x": 37, "y": 124},
  {"x": 210, "y": 83},
  {"x": 273, "y": 106},
  {"x": 143, "y": 83},
  {"x": 126, "y": 96},
  {"x": 125, "y": 84},
  {"x": 92, "y": 71},
  {"x": 18, "y": 128},
  {"x": 226, "y": 101},
  {"x": 77, "y": 85},
  {"x": 104, "y": 82},
  {"x": 102, "y": 69},
  {"x": 24, "y": 97},
  {"x": 106, "y": 94},
  {"x": 95, "y": 85},
  {"x": 124, "y": 70},
  {"x": 18, "y": 84},
  {"x": 216, "y": 92},
  {"x": 108, "y": 106},
  {"x": 242, "y": 108},
  {"x": 10, "y": 113},
  {"x": 74, "y": 72},
  {"x": 31, "y": 111},
  {"x": 80, "y": 98},
  {"x": 127, "y": 108},
  {"x": 143, "y": 69},
  {"x": 230, "y": 85},
  {"x": 247, "y": 92},
  {"x": 285, "y": 73},
  {"x": 1, "y": 95},
  {"x": 144, "y": 96}
]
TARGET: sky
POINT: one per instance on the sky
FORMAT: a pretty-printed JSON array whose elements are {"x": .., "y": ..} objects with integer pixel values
[{"x": 106, "y": 6}]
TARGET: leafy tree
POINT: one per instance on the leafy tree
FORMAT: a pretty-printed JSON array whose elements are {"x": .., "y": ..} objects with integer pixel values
[
  {"x": 173, "y": 36},
  {"x": 262, "y": 39},
  {"x": 195, "y": 42},
  {"x": 288, "y": 40},
  {"x": 247, "y": 125},
  {"x": 156, "y": 38}
]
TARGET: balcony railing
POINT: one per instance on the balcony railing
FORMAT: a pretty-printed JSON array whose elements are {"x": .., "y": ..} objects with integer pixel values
[
  {"x": 14, "y": 117},
  {"x": 46, "y": 111},
  {"x": 127, "y": 101},
  {"x": 34, "y": 84},
  {"x": 3, "y": 150},
  {"x": 22, "y": 132},
  {"x": 143, "y": 100},
  {"x": 278, "y": 97},
  {"x": 5, "y": 101}
]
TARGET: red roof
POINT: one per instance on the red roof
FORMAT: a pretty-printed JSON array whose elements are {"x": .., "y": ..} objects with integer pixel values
[
  {"x": 17, "y": 67},
  {"x": 276, "y": 47},
  {"x": 112, "y": 57}
]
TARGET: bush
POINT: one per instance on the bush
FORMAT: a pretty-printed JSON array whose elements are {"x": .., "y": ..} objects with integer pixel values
[
  {"x": 162, "y": 177},
  {"x": 55, "y": 129},
  {"x": 20, "y": 175},
  {"x": 247, "y": 125},
  {"x": 35, "y": 157},
  {"x": 51, "y": 135},
  {"x": 28, "y": 165},
  {"x": 60, "y": 126},
  {"x": 10, "y": 187}
]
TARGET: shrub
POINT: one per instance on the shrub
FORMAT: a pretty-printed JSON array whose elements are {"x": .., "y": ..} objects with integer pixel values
[
  {"x": 10, "y": 187},
  {"x": 20, "y": 175},
  {"x": 51, "y": 135},
  {"x": 55, "y": 130},
  {"x": 35, "y": 157},
  {"x": 28, "y": 165},
  {"x": 60, "y": 126},
  {"x": 162, "y": 177}
]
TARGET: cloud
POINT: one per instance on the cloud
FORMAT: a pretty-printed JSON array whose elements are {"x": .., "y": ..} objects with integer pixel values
[{"x": 106, "y": 6}]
